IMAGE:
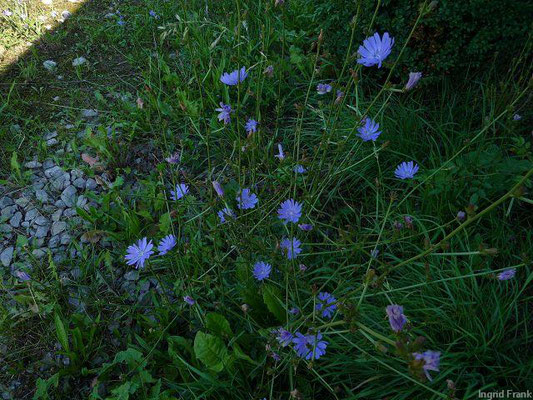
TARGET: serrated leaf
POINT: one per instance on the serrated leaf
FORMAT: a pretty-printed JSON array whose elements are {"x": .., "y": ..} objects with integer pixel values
[
  {"x": 211, "y": 351},
  {"x": 218, "y": 324}
]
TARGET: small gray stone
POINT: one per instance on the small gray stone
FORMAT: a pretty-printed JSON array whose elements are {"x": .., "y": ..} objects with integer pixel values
[
  {"x": 25, "y": 224},
  {"x": 22, "y": 201},
  {"x": 48, "y": 164},
  {"x": 6, "y": 201},
  {"x": 61, "y": 182},
  {"x": 56, "y": 216},
  {"x": 41, "y": 195},
  {"x": 59, "y": 258},
  {"x": 58, "y": 227},
  {"x": 69, "y": 212},
  {"x": 54, "y": 242},
  {"x": 50, "y": 135},
  {"x": 15, "y": 219},
  {"x": 7, "y": 256},
  {"x": 69, "y": 196},
  {"x": 132, "y": 275},
  {"x": 41, "y": 221},
  {"x": 33, "y": 164},
  {"x": 8, "y": 212},
  {"x": 65, "y": 238},
  {"x": 53, "y": 172},
  {"x": 89, "y": 113},
  {"x": 38, "y": 253},
  {"x": 52, "y": 142},
  {"x": 38, "y": 242},
  {"x": 82, "y": 202},
  {"x": 41, "y": 232},
  {"x": 5, "y": 229},
  {"x": 79, "y": 183},
  {"x": 59, "y": 204},
  {"x": 31, "y": 214},
  {"x": 91, "y": 184},
  {"x": 76, "y": 173}
]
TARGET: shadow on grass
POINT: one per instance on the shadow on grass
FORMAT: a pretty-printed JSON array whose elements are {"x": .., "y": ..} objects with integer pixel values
[{"x": 34, "y": 100}]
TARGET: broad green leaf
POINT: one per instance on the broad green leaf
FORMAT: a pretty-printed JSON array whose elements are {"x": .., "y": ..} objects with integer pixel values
[
  {"x": 218, "y": 324},
  {"x": 272, "y": 299},
  {"x": 61, "y": 333},
  {"x": 211, "y": 351}
]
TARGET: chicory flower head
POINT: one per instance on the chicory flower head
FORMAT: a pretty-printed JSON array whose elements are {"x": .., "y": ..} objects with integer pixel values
[
  {"x": 369, "y": 131},
  {"x": 234, "y": 77},
  {"x": 262, "y": 270},
  {"x": 251, "y": 126},
  {"x": 309, "y": 347},
  {"x": 224, "y": 113},
  {"x": 284, "y": 337},
  {"x": 290, "y": 211},
  {"x": 138, "y": 253},
  {"x": 431, "y": 361},
  {"x": 396, "y": 318},
  {"x": 166, "y": 244},
  {"x": 225, "y": 213},
  {"x": 375, "y": 50},
  {"x": 181, "y": 190},
  {"x": 299, "y": 169},
  {"x": 246, "y": 200},
  {"x": 173, "y": 159},
  {"x": 291, "y": 247},
  {"x": 323, "y": 88},
  {"x": 406, "y": 170},
  {"x": 507, "y": 274},
  {"x": 326, "y": 303}
]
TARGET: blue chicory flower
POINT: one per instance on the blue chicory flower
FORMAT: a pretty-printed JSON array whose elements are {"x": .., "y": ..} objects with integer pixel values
[
  {"x": 283, "y": 336},
  {"x": 290, "y": 211},
  {"x": 323, "y": 88},
  {"x": 375, "y": 50},
  {"x": 406, "y": 170},
  {"x": 299, "y": 169},
  {"x": 262, "y": 270},
  {"x": 189, "y": 300},
  {"x": 138, "y": 253},
  {"x": 517, "y": 117},
  {"x": 234, "y": 77},
  {"x": 251, "y": 126},
  {"x": 396, "y": 318},
  {"x": 309, "y": 347},
  {"x": 153, "y": 14},
  {"x": 225, "y": 213},
  {"x": 224, "y": 113},
  {"x": 327, "y": 304},
  {"x": 507, "y": 274},
  {"x": 246, "y": 200},
  {"x": 291, "y": 247},
  {"x": 166, "y": 244},
  {"x": 369, "y": 131},
  {"x": 431, "y": 361},
  {"x": 173, "y": 159},
  {"x": 181, "y": 190}
]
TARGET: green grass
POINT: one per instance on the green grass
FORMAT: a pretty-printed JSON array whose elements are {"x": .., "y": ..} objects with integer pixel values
[{"x": 442, "y": 271}]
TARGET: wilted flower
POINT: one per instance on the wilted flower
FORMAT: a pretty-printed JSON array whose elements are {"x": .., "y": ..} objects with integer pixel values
[
  {"x": 7, "y": 13},
  {"x": 299, "y": 169},
  {"x": 310, "y": 347},
  {"x": 461, "y": 215},
  {"x": 275, "y": 356},
  {"x": 397, "y": 225},
  {"x": 294, "y": 311},
  {"x": 323, "y": 88},
  {"x": 79, "y": 61},
  {"x": 218, "y": 188},
  {"x": 224, "y": 113},
  {"x": 269, "y": 71},
  {"x": 408, "y": 220},
  {"x": 507, "y": 274},
  {"x": 302, "y": 267},
  {"x": 374, "y": 253},
  {"x": 173, "y": 159},
  {"x": 375, "y": 49},
  {"x": 49, "y": 65},
  {"x": 280, "y": 154},
  {"x": 181, "y": 190},
  {"x": 290, "y": 211},
  {"x": 153, "y": 14},
  {"x": 306, "y": 227},
  {"x": 369, "y": 131},
  {"x": 138, "y": 253},
  {"x": 234, "y": 77},
  {"x": 246, "y": 200},
  {"x": 121, "y": 21},
  {"x": 224, "y": 213},
  {"x": 396, "y": 318},
  {"x": 189, "y": 300},
  {"x": 291, "y": 247},
  {"x": 23, "y": 276},
  {"x": 517, "y": 117},
  {"x": 414, "y": 77},
  {"x": 431, "y": 361},
  {"x": 284, "y": 337},
  {"x": 406, "y": 170},
  {"x": 251, "y": 126},
  {"x": 327, "y": 303},
  {"x": 166, "y": 244},
  {"x": 340, "y": 95},
  {"x": 262, "y": 270}
]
